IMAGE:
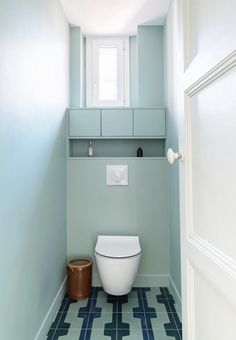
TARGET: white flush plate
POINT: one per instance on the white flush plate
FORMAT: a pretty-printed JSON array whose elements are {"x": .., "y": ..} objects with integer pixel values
[{"x": 117, "y": 174}]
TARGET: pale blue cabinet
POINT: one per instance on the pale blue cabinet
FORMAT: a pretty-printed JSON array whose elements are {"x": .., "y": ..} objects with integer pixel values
[
  {"x": 117, "y": 123},
  {"x": 149, "y": 123},
  {"x": 84, "y": 123}
]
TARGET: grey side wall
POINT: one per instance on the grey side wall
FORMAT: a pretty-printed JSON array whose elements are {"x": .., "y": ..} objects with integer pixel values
[
  {"x": 133, "y": 59},
  {"x": 76, "y": 71},
  {"x": 137, "y": 209},
  {"x": 150, "y": 66},
  {"x": 171, "y": 102}
]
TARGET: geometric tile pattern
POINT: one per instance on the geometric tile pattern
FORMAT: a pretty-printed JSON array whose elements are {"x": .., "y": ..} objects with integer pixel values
[{"x": 143, "y": 314}]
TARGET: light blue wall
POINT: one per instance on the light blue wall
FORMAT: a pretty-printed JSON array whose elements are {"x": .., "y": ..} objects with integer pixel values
[
  {"x": 83, "y": 103},
  {"x": 76, "y": 85},
  {"x": 146, "y": 67},
  {"x": 171, "y": 102},
  {"x": 137, "y": 209},
  {"x": 133, "y": 60},
  {"x": 33, "y": 97},
  {"x": 150, "y": 66}
]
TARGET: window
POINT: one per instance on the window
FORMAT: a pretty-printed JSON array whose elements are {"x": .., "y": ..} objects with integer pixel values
[{"x": 107, "y": 72}]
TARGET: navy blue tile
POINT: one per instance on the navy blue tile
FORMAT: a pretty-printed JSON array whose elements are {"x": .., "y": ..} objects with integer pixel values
[
  {"x": 117, "y": 329},
  {"x": 78, "y": 324},
  {"x": 141, "y": 316},
  {"x": 122, "y": 325},
  {"x": 167, "y": 293},
  {"x": 60, "y": 332},
  {"x": 165, "y": 302},
  {"x": 63, "y": 304},
  {"x": 177, "y": 321},
  {"x": 91, "y": 311},
  {"x": 144, "y": 313},
  {"x": 174, "y": 334},
  {"x": 171, "y": 325},
  {"x": 146, "y": 334},
  {"x": 151, "y": 335},
  {"x": 50, "y": 333},
  {"x": 85, "y": 334},
  {"x": 162, "y": 295},
  {"x": 68, "y": 303},
  {"x": 110, "y": 328},
  {"x": 122, "y": 333},
  {"x": 56, "y": 321},
  {"x": 62, "y": 324}
]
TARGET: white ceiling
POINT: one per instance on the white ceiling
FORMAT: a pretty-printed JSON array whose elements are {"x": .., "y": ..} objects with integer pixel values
[{"x": 114, "y": 17}]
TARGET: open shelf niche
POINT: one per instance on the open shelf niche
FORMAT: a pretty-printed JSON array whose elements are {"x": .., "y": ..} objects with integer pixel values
[{"x": 116, "y": 147}]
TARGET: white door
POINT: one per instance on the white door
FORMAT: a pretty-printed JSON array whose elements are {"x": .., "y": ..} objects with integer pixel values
[{"x": 208, "y": 172}]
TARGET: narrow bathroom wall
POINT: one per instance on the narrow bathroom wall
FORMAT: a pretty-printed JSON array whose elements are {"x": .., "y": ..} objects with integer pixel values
[
  {"x": 33, "y": 98},
  {"x": 76, "y": 67},
  {"x": 142, "y": 207},
  {"x": 150, "y": 66},
  {"x": 137, "y": 209},
  {"x": 133, "y": 55},
  {"x": 171, "y": 102}
]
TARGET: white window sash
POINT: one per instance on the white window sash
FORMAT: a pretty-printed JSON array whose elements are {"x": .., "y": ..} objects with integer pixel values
[{"x": 92, "y": 87}]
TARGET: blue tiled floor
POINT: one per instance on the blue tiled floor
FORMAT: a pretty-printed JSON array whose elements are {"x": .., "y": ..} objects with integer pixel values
[{"x": 144, "y": 314}]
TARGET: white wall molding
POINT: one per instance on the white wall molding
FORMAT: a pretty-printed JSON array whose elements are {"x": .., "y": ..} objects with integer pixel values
[
  {"x": 47, "y": 321},
  {"x": 190, "y": 300},
  {"x": 223, "y": 261},
  {"x": 221, "y": 68},
  {"x": 176, "y": 296}
]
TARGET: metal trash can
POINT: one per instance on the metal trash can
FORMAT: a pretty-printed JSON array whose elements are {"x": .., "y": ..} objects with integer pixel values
[{"x": 79, "y": 276}]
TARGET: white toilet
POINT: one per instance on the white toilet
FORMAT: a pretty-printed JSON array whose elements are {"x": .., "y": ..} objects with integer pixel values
[{"x": 117, "y": 259}]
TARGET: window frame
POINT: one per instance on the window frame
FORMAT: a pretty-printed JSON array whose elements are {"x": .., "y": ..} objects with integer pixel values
[{"x": 92, "y": 63}]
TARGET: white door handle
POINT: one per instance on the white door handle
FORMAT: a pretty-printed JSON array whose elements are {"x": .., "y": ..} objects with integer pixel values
[{"x": 173, "y": 156}]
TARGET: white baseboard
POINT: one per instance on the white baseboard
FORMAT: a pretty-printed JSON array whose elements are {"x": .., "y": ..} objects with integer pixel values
[
  {"x": 177, "y": 297},
  {"x": 142, "y": 281},
  {"x": 45, "y": 326},
  {"x": 152, "y": 281}
]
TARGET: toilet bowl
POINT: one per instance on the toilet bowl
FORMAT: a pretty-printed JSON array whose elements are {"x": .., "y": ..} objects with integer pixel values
[{"x": 117, "y": 259}]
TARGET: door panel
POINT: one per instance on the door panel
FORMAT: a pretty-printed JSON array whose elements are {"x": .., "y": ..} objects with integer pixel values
[
  {"x": 213, "y": 126},
  {"x": 207, "y": 174},
  {"x": 214, "y": 317}
]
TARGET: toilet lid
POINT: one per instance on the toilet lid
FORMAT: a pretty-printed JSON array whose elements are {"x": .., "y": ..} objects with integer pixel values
[{"x": 118, "y": 246}]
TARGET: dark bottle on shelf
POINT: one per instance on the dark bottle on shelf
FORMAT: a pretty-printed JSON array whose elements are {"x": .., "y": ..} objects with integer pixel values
[{"x": 140, "y": 152}]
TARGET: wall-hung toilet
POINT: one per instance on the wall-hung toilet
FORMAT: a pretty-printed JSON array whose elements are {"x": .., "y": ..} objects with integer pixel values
[{"x": 117, "y": 259}]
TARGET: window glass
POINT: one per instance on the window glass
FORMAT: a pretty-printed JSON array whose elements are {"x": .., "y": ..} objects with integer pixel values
[{"x": 107, "y": 74}]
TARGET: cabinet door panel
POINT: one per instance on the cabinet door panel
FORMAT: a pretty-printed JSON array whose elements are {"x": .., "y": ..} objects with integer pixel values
[
  {"x": 149, "y": 123},
  {"x": 84, "y": 123},
  {"x": 117, "y": 123}
]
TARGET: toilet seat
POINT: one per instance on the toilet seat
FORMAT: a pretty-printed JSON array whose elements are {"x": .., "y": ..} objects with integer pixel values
[
  {"x": 118, "y": 247},
  {"x": 117, "y": 259}
]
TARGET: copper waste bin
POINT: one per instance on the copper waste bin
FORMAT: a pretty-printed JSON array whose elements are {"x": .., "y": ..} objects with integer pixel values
[{"x": 79, "y": 274}]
